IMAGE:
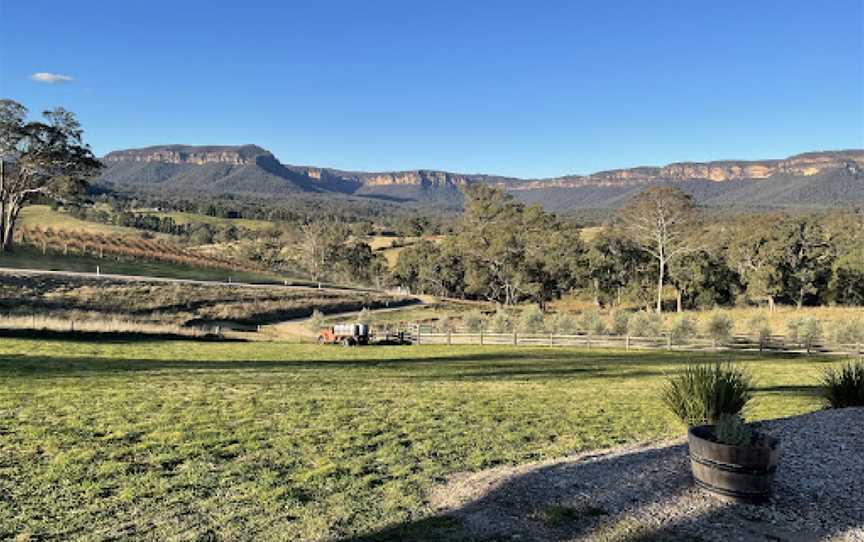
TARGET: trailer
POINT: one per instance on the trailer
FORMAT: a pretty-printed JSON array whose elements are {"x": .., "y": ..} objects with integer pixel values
[{"x": 345, "y": 334}]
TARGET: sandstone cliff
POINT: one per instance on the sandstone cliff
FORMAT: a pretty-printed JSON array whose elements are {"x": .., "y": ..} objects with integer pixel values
[{"x": 827, "y": 178}]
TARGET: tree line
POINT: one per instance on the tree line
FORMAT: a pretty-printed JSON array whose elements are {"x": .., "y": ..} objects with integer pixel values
[{"x": 507, "y": 252}]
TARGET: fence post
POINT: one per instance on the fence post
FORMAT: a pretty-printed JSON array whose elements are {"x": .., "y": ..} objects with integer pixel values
[
  {"x": 481, "y": 336},
  {"x": 418, "y": 334},
  {"x": 627, "y": 342},
  {"x": 588, "y": 341},
  {"x": 448, "y": 338},
  {"x": 669, "y": 342},
  {"x": 515, "y": 339},
  {"x": 551, "y": 339}
]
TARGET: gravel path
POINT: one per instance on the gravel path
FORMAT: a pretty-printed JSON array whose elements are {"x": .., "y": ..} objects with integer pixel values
[{"x": 646, "y": 492}]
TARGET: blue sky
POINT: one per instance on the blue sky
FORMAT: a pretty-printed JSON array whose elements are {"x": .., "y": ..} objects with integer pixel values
[{"x": 531, "y": 89}]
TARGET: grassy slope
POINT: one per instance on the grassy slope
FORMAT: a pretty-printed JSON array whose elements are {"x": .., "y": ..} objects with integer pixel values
[
  {"x": 43, "y": 217},
  {"x": 294, "y": 442},
  {"x": 26, "y": 257},
  {"x": 186, "y": 218}
]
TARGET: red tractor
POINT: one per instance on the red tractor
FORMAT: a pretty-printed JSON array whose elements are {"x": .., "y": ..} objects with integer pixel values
[{"x": 345, "y": 334}]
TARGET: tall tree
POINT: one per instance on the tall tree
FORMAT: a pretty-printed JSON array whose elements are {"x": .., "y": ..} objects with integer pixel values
[
  {"x": 845, "y": 233},
  {"x": 613, "y": 262},
  {"x": 703, "y": 278},
  {"x": 753, "y": 253},
  {"x": 39, "y": 159},
  {"x": 662, "y": 221},
  {"x": 805, "y": 256},
  {"x": 319, "y": 244},
  {"x": 513, "y": 252}
]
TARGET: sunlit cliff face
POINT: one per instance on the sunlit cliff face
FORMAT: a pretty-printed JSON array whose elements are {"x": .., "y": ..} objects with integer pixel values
[{"x": 801, "y": 165}]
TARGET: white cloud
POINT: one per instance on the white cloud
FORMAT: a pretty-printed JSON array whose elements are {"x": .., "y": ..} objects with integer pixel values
[{"x": 51, "y": 78}]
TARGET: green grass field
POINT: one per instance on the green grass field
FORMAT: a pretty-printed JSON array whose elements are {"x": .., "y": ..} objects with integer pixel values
[{"x": 238, "y": 441}]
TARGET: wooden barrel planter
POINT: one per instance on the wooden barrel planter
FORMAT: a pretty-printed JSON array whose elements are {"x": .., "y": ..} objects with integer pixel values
[{"x": 734, "y": 473}]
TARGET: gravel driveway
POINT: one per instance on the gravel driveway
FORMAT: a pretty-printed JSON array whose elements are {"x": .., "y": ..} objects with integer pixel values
[{"x": 646, "y": 492}]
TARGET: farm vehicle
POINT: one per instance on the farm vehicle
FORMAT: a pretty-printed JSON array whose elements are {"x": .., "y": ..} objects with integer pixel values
[{"x": 359, "y": 334}]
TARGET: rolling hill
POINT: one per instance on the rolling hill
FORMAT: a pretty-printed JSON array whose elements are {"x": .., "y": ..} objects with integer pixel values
[{"x": 805, "y": 181}]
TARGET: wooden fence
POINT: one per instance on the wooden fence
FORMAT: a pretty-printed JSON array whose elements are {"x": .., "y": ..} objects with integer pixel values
[{"x": 777, "y": 343}]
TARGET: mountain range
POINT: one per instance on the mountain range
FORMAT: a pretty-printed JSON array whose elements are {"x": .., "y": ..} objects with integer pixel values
[{"x": 811, "y": 180}]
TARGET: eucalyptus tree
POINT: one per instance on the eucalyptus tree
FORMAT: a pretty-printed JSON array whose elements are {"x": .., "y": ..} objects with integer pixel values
[
  {"x": 39, "y": 159},
  {"x": 663, "y": 222},
  {"x": 753, "y": 252},
  {"x": 513, "y": 252}
]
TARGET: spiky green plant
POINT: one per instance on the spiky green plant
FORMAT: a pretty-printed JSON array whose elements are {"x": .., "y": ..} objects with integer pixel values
[
  {"x": 732, "y": 430},
  {"x": 702, "y": 392},
  {"x": 844, "y": 387}
]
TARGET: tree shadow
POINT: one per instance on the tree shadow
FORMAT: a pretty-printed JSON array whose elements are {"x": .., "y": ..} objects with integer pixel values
[
  {"x": 811, "y": 390},
  {"x": 109, "y": 337},
  {"x": 455, "y": 363},
  {"x": 643, "y": 494}
]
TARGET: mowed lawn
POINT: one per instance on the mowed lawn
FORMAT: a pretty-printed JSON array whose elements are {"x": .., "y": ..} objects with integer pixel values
[{"x": 267, "y": 441}]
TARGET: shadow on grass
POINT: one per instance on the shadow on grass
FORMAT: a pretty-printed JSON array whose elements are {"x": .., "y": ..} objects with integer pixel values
[
  {"x": 468, "y": 367},
  {"x": 446, "y": 364},
  {"x": 108, "y": 336},
  {"x": 808, "y": 390},
  {"x": 628, "y": 496}
]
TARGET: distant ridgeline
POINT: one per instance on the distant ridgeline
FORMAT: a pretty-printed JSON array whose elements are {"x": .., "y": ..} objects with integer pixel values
[{"x": 815, "y": 180}]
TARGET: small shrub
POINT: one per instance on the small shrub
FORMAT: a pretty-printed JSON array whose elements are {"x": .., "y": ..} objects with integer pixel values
[
  {"x": 683, "y": 328},
  {"x": 761, "y": 329},
  {"x": 591, "y": 322},
  {"x": 620, "y": 321},
  {"x": 731, "y": 430},
  {"x": 562, "y": 323},
  {"x": 644, "y": 324},
  {"x": 316, "y": 321},
  {"x": 848, "y": 331},
  {"x": 443, "y": 325},
  {"x": 531, "y": 320},
  {"x": 501, "y": 322},
  {"x": 844, "y": 387},
  {"x": 809, "y": 332},
  {"x": 719, "y": 328},
  {"x": 364, "y": 316},
  {"x": 701, "y": 393},
  {"x": 793, "y": 328},
  {"x": 475, "y": 321}
]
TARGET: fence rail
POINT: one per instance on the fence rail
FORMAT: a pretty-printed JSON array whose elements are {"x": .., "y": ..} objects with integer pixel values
[{"x": 776, "y": 343}]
